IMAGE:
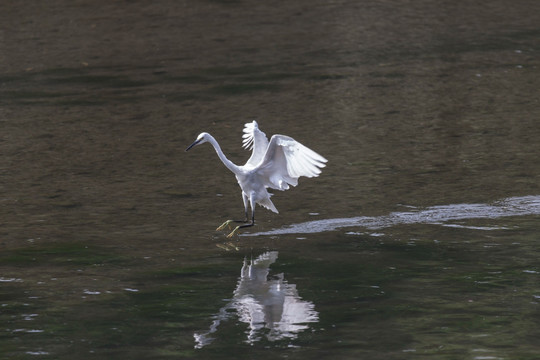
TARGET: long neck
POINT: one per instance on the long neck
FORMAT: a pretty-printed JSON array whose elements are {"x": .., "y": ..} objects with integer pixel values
[{"x": 228, "y": 163}]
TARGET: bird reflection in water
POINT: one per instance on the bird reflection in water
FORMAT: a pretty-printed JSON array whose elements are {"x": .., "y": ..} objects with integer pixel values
[{"x": 270, "y": 307}]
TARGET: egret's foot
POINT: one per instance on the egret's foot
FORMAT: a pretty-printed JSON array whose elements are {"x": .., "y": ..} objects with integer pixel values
[
  {"x": 234, "y": 232},
  {"x": 225, "y": 224}
]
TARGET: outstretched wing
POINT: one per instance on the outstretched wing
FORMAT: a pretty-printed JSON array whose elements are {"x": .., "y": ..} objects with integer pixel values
[
  {"x": 254, "y": 139},
  {"x": 286, "y": 160}
]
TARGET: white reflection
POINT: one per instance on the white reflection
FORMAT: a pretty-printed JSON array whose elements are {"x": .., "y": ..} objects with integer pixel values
[{"x": 270, "y": 307}]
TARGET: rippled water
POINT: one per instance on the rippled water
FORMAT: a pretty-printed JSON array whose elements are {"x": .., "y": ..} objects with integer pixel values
[
  {"x": 419, "y": 239},
  {"x": 517, "y": 206}
]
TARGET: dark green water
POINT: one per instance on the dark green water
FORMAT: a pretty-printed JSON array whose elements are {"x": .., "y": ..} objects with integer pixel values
[{"x": 420, "y": 239}]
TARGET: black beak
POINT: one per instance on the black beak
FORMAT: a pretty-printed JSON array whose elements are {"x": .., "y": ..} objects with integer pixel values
[{"x": 192, "y": 145}]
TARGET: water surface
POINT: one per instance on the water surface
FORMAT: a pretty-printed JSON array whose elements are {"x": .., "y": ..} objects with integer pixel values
[{"x": 419, "y": 239}]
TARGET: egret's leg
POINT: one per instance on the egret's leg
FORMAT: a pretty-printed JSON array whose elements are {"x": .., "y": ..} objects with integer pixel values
[
  {"x": 245, "y": 199},
  {"x": 251, "y": 223},
  {"x": 229, "y": 222},
  {"x": 252, "y": 202}
]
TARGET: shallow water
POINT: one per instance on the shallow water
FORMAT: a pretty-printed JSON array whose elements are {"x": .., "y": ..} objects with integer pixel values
[{"x": 419, "y": 239}]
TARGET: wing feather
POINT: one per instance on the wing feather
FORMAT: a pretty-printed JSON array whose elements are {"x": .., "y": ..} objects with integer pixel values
[
  {"x": 285, "y": 160},
  {"x": 256, "y": 140}
]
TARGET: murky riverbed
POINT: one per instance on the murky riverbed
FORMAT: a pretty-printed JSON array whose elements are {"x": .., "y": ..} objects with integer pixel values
[{"x": 419, "y": 239}]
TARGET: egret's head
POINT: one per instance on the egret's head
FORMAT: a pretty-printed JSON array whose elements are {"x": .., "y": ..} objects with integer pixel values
[{"x": 201, "y": 139}]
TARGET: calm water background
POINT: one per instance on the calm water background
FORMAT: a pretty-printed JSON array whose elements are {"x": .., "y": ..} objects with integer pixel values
[{"x": 419, "y": 240}]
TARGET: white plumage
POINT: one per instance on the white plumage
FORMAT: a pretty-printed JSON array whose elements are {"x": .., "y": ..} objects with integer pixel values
[{"x": 275, "y": 164}]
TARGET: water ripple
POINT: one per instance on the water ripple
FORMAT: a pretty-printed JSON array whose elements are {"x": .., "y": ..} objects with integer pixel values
[{"x": 513, "y": 206}]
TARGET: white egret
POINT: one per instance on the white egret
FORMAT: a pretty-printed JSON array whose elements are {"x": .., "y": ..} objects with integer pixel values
[{"x": 275, "y": 164}]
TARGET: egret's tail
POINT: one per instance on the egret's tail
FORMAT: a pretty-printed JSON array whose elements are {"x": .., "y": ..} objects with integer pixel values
[{"x": 267, "y": 203}]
